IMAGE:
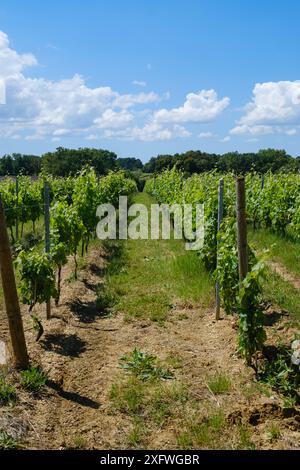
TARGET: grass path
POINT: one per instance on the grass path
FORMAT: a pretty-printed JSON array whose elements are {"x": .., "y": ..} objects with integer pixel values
[{"x": 157, "y": 276}]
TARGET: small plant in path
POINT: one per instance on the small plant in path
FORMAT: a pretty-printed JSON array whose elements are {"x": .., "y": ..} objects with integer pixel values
[
  {"x": 6, "y": 441},
  {"x": 280, "y": 374},
  {"x": 8, "y": 394},
  {"x": 220, "y": 383},
  {"x": 33, "y": 379},
  {"x": 144, "y": 366}
]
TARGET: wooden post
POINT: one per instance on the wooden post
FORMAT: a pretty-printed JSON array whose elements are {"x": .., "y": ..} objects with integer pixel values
[
  {"x": 17, "y": 208},
  {"x": 220, "y": 218},
  {"x": 262, "y": 182},
  {"x": 11, "y": 297},
  {"x": 241, "y": 227},
  {"x": 47, "y": 234}
]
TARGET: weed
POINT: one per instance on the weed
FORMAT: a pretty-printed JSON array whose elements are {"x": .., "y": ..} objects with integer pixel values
[
  {"x": 204, "y": 434},
  {"x": 245, "y": 442},
  {"x": 220, "y": 383},
  {"x": 106, "y": 297},
  {"x": 128, "y": 397},
  {"x": 166, "y": 401},
  {"x": 274, "y": 432},
  {"x": 6, "y": 441},
  {"x": 137, "y": 434},
  {"x": 144, "y": 366},
  {"x": 8, "y": 393},
  {"x": 174, "y": 361},
  {"x": 281, "y": 375},
  {"x": 79, "y": 443},
  {"x": 33, "y": 379}
]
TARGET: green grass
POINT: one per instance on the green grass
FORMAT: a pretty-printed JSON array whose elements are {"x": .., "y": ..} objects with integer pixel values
[
  {"x": 274, "y": 432},
  {"x": 7, "y": 442},
  {"x": 154, "y": 274},
  {"x": 174, "y": 361},
  {"x": 153, "y": 405},
  {"x": 33, "y": 379},
  {"x": 137, "y": 435},
  {"x": 128, "y": 396},
  {"x": 213, "y": 432},
  {"x": 106, "y": 297},
  {"x": 8, "y": 394},
  {"x": 147, "y": 400},
  {"x": 281, "y": 249},
  {"x": 149, "y": 405},
  {"x": 166, "y": 401},
  {"x": 78, "y": 443},
  {"x": 205, "y": 434},
  {"x": 220, "y": 383},
  {"x": 244, "y": 441}
]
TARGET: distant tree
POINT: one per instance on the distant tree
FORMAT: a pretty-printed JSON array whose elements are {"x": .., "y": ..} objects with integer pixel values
[
  {"x": 17, "y": 163},
  {"x": 130, "y": 163},
  {"x": 64, "y": 162},
  {"x": 198, "y": 162}
]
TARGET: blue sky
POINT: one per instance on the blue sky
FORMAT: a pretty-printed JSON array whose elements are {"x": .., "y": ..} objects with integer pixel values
[{"x": 148, "y": 77}]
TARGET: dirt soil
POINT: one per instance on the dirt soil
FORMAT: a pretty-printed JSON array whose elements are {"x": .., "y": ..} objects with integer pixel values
[{"x": 80, "y": 352}]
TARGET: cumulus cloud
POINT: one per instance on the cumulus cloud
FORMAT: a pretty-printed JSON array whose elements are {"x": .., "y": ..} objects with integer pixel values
[
  {"x": 274, "y": 108},
  {"x": 139, "y": 83},
  {"x": 38, "y": 108},
  {"x": 203, "y": 106},
  {"x": 263, "y": 130},
  {"x": 113, "y": 119},
  {"x": 152, "y": 131},
  {"x": 206, "y": 135},
  {"x": 253, "y": 130},
  {"x": 12, "y": 63}
]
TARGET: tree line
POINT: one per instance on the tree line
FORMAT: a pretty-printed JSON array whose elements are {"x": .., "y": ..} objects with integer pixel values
[
  {"x": 65, "y": 162},
  {"x": 240, "y": 163}
]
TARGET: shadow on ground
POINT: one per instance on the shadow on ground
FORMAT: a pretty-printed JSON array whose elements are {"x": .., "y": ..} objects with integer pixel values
[
  {"x": 64, "y": 344},
  {"x": 86, "y": 312},
  {"x": 271, "y": 318},
  {"x": 73, "y": 396}
]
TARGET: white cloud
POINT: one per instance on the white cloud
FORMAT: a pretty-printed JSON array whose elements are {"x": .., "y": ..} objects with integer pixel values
[
  {"x": 206, "y": 135},
  {"x": 203, "y": 106},
  {"x": 275, "y": 106},
  {"x": 12, "y": 63},
  {"x": 227, "y": 138},
  {"x": 112, "y": 119},
  {"x": 262, "y": 130},
  {"x": 2, "y": 91},
  {"x": 152, "y": 131},
  {"x": 38, "y": 108},
  {"x": 253, "y": 130},
  {"x": 92, "y": 137},
  {"x": 140, "y": 83},
  {"x": 292, "y": 131},
  {"x": 129, "y": 100}
]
